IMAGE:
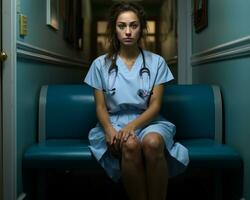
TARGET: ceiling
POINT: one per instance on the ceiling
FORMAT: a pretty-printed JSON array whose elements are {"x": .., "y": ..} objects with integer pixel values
[{"x": 143, "y": 2}]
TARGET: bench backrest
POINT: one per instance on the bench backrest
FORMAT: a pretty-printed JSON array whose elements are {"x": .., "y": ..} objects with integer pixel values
[
  {"x": 196, "y": 111},
  {"x": 68, "y": 111}
]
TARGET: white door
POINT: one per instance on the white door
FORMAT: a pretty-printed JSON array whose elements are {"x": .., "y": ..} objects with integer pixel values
[
  {"x": 1, "y": 129},
  {"x": 7, "y": 98}
]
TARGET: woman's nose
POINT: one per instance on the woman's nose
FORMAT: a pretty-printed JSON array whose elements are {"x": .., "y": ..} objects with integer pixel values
[{"x": 128, "y": 31}]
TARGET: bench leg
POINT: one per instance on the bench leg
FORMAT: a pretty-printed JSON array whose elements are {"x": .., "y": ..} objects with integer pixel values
[
  {"x": 29, "y": 178},
  {"x": 233, "y": 184},
  {"x": 41, "y": 193},
  {"x": 228, "y": 184},
  {"x": 218, "y": 187},
  {"x": 34, "y": 184}
]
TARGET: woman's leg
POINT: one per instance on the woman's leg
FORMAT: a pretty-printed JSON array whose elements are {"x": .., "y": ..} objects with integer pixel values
[
  {"x": 156, "y": 166},
  {"x": 133, "y": 172}
]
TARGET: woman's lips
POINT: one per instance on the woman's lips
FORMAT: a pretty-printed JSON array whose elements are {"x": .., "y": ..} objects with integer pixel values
[{"x": 128, "y": 39}]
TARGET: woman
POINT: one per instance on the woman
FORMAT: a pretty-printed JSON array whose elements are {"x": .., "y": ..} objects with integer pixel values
[{"x": 131, "y": 140}]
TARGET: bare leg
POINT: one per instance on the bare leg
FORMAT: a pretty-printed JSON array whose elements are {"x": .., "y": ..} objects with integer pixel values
[
  {"x": 133, "y": 172},
  {"x": 156, "y": 166}
]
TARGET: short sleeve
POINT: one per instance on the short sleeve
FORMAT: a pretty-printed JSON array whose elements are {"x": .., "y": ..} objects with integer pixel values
[
  {"x": 93, "y": 77},
  {"x": 163, "y": 73}
]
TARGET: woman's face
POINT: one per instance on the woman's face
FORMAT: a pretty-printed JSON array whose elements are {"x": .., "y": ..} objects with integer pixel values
[{"x": 128, "y": 28}]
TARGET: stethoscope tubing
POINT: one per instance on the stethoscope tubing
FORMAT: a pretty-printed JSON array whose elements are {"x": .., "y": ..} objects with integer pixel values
[{"x": 142, "y": 92}]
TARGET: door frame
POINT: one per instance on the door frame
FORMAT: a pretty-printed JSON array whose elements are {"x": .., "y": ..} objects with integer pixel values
[
  {"x": 9, "y": 99},
  {"x": 184, "y": 41},
  {"x": 1, "y": 130}
]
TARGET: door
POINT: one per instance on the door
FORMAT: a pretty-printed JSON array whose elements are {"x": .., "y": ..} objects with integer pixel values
[
  {"x": 3, "y": 57},
  {"x": 8, "y": 97},
  {"x": 1, "y": 130}
]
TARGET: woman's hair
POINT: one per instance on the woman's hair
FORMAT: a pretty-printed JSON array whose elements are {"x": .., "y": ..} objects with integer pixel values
[{"x": 115, "y": 11}]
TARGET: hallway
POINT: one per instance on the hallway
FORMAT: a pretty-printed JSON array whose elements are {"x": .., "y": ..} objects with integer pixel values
[{"x": 48, "y": 42}]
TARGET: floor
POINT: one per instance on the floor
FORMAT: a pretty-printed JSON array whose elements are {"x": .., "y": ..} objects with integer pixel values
[
  {"x": 77, "y": 186},
  {"x": 203, "y": 184}
]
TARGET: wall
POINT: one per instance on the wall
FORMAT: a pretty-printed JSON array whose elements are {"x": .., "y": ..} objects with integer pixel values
[
  {"x": 221, "y": 56},
  {"x": 43, "y": 57},
  {"x": 168, "y": 34},
  {"x": 168, "y": 29}
]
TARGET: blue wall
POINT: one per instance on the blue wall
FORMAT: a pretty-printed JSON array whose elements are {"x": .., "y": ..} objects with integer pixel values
[
  {"x": 228, "y": 21},
  {"x": 42, "y": 35},
  {"x": 32, "y": 73}
]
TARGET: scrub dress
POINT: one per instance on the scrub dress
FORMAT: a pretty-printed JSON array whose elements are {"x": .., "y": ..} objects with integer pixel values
[{"x": 121, "y": 91}]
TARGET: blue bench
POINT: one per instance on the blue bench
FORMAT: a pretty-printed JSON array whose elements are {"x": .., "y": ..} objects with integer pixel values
[{"x": 67, "y": 113}]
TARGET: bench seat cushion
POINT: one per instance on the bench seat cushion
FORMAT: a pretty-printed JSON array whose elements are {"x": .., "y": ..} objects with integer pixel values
[
  {"x": 60, "y": 153},
  {"x": 67, "y": 154},
  {"x": 210, "y": 154}
]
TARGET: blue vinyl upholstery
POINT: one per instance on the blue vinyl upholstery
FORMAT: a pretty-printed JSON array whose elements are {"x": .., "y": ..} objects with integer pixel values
[
  {"x": 67, "y": 113},
  {"x": 191, "y": 109}
]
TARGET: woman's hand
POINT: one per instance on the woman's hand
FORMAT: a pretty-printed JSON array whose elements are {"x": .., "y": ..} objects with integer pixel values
[
  {"x": 112, "y": 141},
  {"x": 126, "y": 132},
  {"x": 110, "y": 135}
]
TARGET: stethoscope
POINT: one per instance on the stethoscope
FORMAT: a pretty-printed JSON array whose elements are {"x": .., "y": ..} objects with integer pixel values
[{"x": 144, "y": 74}]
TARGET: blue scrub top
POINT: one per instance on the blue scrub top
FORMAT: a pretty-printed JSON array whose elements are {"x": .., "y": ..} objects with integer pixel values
[{"x": 127, "y": 82}]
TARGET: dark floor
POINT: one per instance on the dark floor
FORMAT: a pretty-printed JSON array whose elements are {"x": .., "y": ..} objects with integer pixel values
[{"x": 76, "y": 185}]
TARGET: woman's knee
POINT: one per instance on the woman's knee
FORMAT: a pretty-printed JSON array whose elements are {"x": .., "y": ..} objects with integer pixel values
[
  {"x": 153, "y": 147},
  {"x": 131, "y": 149}
]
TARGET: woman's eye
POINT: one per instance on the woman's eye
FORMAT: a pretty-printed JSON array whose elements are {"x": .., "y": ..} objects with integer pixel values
[
  {"x": 121, "y": 26},
  {"x": 134, "y": 26}
]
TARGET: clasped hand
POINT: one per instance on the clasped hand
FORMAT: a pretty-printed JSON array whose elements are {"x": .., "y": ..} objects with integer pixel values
[{"x": 116, "y": 139}]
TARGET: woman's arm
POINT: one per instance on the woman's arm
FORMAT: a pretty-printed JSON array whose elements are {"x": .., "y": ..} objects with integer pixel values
[
  {"x": 148, "y": 115},
  {"x": 153, "y": 109},
  {"x": 101, "y": 110},
  {"x": 103, "y": 117}
]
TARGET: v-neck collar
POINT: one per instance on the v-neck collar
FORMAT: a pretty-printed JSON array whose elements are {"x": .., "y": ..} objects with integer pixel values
[{"x": 137, "y": 63}]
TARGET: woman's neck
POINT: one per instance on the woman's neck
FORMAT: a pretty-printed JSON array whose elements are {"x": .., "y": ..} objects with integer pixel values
[{"x": 129, "y": 52}]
